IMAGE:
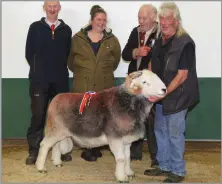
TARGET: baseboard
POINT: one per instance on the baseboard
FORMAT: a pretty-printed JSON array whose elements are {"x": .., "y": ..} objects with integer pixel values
[{"x": 200, "y": 140}]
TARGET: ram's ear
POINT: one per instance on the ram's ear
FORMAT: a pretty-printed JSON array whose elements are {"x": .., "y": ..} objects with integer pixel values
[{"x": 135, "y": 87}]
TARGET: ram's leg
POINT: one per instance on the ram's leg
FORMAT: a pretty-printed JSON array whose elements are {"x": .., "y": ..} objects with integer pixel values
[
  {"x": 128, "y": 169},
  {"x": 66, "y": 145},
  {"x": 56, "y": 155},
  {"x": 62, "y": 147},
  {"x": 117, "y": 148},
  {"x": 45, "y": 145}
]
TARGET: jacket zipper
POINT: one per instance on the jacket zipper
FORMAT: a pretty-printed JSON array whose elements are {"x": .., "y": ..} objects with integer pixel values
[
  {"x": 34, "y": 62},
  {"x": 163, "y": 77},
  {"x": 165, "y": 68},
  {"x": 87, "y": 81},
  {"x": 167, "y": 63}
]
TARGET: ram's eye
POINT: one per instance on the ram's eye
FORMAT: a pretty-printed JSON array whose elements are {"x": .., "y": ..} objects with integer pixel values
[{"x": 144, "y": 82}]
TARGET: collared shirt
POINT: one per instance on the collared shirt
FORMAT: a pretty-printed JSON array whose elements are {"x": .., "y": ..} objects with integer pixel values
[
  {"x": 147, "y": 35},
  {"x": 57, "y": 22}
]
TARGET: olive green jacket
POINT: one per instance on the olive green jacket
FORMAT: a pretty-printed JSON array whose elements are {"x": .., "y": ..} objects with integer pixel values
[{"x": 93, "y": 72}]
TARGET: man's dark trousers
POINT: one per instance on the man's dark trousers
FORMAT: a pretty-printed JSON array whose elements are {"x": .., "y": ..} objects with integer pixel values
[
  {"x": 41, "y": 94},
  {"x": 136, "y": 147}
]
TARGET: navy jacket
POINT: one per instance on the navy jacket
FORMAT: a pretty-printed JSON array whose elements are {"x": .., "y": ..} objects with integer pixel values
[{"x": 48, "y": 57}]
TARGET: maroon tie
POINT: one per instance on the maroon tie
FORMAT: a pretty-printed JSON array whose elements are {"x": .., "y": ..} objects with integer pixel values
[
  {"x": 53, "y": 29},
  {"x": 142, "y": 38}
]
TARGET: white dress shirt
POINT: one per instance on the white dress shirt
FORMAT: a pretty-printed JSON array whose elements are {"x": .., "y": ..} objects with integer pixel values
[
  {"x": 57, "y": 22},
  {"x": 147, "y": 35}
]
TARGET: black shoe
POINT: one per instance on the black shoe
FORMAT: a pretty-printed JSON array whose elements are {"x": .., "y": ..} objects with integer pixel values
[
  {"x": 88, "y": 156},
  {"x": 135, "y": 158},
  {"x": 66, "y": 158},
  {"x": 30, "y": 160},
  {"x": 154, "y": 163},
  {"x": 173, "y": 178},
  {"x": 156, "y": 172},
  {"x": 96, "y": 152}
]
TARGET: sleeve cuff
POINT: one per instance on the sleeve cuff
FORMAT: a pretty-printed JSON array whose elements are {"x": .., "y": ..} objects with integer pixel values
[{"x": 134, "y": 54}]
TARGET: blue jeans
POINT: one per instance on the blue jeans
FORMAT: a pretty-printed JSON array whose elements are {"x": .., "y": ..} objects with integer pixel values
[{"x": 169, "y": 131}]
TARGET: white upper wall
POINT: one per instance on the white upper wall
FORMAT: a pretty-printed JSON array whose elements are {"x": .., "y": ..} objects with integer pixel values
[{"x": 201, "y": 19}]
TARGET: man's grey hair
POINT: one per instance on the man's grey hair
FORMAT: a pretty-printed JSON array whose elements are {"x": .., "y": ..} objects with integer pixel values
[
  {"x": 154, "y": 10},
  {"x": 171, "y": 6},
  {"x": 166, "y": 7},
  {"x": 153, "y": 16},
  {"x": 45, "y": 1}
]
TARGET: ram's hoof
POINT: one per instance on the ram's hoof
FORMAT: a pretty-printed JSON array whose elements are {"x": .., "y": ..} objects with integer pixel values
[
  {"x": 124, "y": 181},
  {"x": 59, "y": 165},
  {"x": 131, "y": 176},
  {"x": 43, "y": 171}
]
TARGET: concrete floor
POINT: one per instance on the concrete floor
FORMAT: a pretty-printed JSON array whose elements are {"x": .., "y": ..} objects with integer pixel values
[{"x": 203, "y": 164}]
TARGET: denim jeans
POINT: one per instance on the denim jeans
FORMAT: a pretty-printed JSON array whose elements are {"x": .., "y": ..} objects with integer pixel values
[{"x": 169, "y": 131}]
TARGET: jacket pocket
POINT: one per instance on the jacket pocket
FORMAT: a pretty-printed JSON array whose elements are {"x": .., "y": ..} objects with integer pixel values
[
  {"x": 109, "y": 62},
  {"x": 109, "y": 81},
  {"x": 176, "y": 94},
  {"x": 108, "y": 66},
  {"x": 80, "y": 83}
]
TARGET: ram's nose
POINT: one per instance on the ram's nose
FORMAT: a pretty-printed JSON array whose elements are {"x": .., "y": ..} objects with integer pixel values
[{"x": 164, "y": 90}]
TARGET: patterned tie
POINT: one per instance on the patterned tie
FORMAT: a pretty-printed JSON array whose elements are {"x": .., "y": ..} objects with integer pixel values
[
  {"x": 142, "y": 38},
  {"x": 53, "y": 29}
]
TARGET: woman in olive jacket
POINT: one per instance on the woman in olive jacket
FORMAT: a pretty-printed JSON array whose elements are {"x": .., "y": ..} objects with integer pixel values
[{"x": 94, "y": 56}]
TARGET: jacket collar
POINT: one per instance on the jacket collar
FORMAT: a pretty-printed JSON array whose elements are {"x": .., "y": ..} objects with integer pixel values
[
  {"x": 62, "y": 23},
  {"x": 88, "y": 27},
  {"x": 83, "y": 32},
  {"x": 155, "y": 29}
]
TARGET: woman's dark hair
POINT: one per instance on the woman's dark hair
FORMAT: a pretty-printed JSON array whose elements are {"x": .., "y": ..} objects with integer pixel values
[{"x": 96, "y": 9}]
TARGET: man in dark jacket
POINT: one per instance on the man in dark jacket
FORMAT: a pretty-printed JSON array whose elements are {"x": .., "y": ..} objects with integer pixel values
[
  {"x": 138, "y": 51},
  {"x": 47, "y": 48},
  {"x": 174, "y": 61}
]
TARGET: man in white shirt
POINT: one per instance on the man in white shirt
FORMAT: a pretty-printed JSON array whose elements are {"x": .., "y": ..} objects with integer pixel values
[
  {"x": 138, "y": 51},
  {"x": 47, "y": 49}
]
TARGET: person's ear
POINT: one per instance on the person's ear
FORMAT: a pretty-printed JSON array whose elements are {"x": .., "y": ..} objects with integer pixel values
[
  {"x": 177, "y": 23},
  {"x": 154, "y": 18},
  {"x": 43, "y": 7}
]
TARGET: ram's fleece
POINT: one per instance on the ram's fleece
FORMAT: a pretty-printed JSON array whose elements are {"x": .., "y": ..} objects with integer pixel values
[{"x": 114, "y": 117}]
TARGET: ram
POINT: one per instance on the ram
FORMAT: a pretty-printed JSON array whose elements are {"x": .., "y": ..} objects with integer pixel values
[{"x": 113, "y": 117}]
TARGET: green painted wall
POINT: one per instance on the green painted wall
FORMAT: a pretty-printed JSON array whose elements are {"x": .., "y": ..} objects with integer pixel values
[{"x": 204, "y": 122}]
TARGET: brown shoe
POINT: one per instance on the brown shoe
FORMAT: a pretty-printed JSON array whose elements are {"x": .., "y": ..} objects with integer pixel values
[{"x": 156, "y": 172}]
